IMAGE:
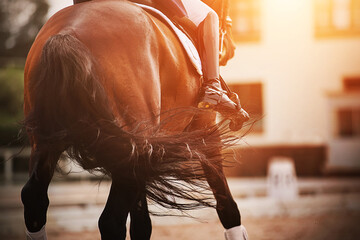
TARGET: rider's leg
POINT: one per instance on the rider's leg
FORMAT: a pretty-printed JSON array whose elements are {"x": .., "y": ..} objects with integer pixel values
[
  {"x": 34, "y": 193},
  {"x": 208, "y": 33},
  {"x": 212, "y": 95},
  {"x": 207, "y": 22}
]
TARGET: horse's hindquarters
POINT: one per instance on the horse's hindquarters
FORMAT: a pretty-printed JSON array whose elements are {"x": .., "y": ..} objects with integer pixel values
[{"x": 90, "y": 84}]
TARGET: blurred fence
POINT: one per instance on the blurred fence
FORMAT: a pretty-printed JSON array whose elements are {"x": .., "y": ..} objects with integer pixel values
[{"x": 14, "y": 158}]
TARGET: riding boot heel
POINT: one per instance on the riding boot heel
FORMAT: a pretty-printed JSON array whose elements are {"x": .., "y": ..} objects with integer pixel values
[{"x": 214, "y": 97}]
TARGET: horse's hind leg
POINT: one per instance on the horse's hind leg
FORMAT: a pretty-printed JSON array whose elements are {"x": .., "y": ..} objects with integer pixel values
[
  {"x": 34, "y": 193},
  {"x": 112, "y": 222},
  {"x": 140, "y": 225},
  {"x": 124, "y": 199},
  {"x": 226, "y": 207}
]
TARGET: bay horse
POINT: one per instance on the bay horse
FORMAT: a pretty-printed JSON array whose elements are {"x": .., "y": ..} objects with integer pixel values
[{"x": 110, "y": 84}]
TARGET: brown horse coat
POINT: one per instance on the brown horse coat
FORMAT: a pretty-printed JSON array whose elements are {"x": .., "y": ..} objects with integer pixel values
[
  {"x": 135, "y": 54},
  {"x": 111, "y": 85}
]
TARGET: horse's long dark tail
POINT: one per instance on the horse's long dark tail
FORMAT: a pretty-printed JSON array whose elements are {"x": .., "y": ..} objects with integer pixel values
[{"x": 70, "y": 111}]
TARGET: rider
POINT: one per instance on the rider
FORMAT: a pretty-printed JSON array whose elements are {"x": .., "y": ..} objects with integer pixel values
[{"x": 206, "y": 21}]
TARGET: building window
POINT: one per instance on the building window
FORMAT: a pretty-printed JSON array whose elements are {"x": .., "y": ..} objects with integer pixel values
[
  {"x": 349, "y": 122},
  {"x": 351, "y": 84},
  {"x": 348, "y": 116},
  {"x": 335, "y": 18},
  {"x": 246, "y": 20},
  {"x": 251, "y": 99}
]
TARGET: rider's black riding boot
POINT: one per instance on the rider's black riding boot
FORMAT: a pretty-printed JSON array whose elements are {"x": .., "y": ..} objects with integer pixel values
[{"x": 212, "y": 95}]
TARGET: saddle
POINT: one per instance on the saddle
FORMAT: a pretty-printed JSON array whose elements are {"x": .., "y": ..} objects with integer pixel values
[
  {"x": 188, "y": 45},
  {"x": 173, "y": 11}
]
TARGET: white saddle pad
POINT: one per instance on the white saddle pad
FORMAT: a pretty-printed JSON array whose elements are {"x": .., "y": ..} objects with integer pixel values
[{"x": 185, "y": 41}]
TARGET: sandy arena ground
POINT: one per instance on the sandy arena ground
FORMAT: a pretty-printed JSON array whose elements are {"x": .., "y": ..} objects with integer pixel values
[
  {"x": 336, "y": 226},
  {"x": 330, "y": 210}
]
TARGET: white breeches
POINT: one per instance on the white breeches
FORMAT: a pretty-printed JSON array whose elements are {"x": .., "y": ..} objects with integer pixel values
[{"x": 196, "y": 10}]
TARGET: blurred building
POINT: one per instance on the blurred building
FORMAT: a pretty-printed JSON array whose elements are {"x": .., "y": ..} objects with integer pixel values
[{"x": 297, "y": 70}]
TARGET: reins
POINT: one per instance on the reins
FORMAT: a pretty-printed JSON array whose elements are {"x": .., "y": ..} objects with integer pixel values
[{"x": 225, "y": 22}]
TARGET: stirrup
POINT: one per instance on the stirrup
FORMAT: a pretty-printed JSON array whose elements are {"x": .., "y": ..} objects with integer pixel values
[
  {"x": 215, "y": 98},
  {"x": 218, "y": 105}
]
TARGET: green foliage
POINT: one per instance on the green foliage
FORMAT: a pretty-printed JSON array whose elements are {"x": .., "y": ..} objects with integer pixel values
[
  {"x": 11, "y": 102},
  {"x": 11, "y": 91},
  {"x": 20, "y": 21}
]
